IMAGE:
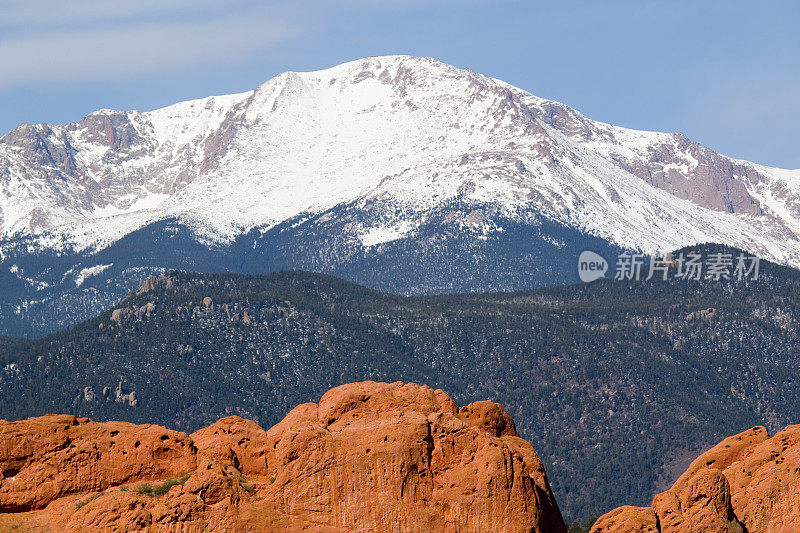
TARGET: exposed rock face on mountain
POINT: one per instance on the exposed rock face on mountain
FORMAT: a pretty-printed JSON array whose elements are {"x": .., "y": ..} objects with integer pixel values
[
  {"x": 368, "y": 457},
  {"x": 747, "y": 483},
  {"x": 400, "y": 173}
]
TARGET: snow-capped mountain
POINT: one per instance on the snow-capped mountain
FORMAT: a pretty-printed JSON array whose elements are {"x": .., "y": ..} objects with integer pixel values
[
  {"x": 411, "y": 131},
  {"x": 373, "y": 155}
]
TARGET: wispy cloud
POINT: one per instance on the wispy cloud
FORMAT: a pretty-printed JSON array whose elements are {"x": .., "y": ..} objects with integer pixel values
[
  {"x": 36, "y": 14},
  {"x": 56, "y": 41}
]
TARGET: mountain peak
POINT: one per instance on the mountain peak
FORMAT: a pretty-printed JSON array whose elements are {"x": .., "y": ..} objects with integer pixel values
[{"x": 404, "y": 134}]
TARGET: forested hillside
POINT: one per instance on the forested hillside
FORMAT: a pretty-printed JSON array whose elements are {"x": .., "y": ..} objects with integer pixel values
[{"x": 617, "y": 384}]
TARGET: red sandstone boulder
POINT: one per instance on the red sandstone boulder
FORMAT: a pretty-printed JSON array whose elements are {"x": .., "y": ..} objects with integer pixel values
[{"x": 628, "y": 519}]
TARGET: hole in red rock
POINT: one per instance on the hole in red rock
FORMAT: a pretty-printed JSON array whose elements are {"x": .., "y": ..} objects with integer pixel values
[
  {"x": 10, "y": 472},
  {"x": 136, "y": 444},
  {"x": 114, "y": 433},
  {"x": 164, "y": 437}
]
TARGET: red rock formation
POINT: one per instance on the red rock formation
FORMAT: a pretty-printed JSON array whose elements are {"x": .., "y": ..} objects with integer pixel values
[
  {"x": 748, "y": 482},
  {"x": 43, "y": 459},
  {"x": 369, "y": 457}
]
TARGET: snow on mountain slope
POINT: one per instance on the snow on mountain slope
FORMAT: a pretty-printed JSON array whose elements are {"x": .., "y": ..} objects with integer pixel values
[{"x": 400, "y": 136}]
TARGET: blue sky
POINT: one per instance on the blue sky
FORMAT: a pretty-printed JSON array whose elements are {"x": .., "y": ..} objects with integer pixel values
[{"x": 725, "y": 73}]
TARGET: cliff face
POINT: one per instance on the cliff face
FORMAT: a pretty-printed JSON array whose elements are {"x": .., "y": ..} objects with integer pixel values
[
  {"x": 746, "y": 483},
  {"x": 368, "y": 457}
]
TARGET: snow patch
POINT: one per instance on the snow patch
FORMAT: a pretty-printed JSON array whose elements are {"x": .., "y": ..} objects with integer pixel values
[
  {"x": 86, "y": 273},
  {"x": 381, "y": 235}
]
